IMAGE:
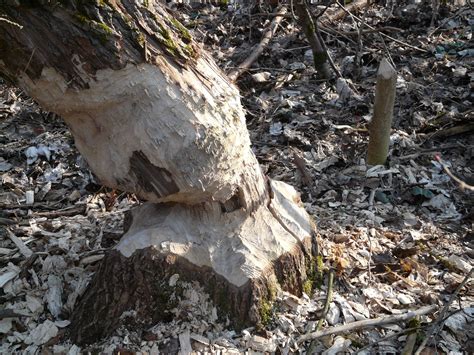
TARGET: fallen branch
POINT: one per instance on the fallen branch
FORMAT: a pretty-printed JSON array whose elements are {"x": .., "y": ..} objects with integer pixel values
[
  {"x": 438, "y": 324},
  {"x": 462, "y": 185},
  {"x": 350, "y": 129},
  {"x": 242, "y": 67},
  {"x": 10, "y": 313},
  {"x": 65, "y": 212},
  {"x": 452, "y": 131},
  {"x": 352, "y": 7},
  {"x": 367, "y": 323}
]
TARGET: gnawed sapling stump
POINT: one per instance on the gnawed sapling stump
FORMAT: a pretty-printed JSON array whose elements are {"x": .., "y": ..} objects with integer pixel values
[
  {"x": 152, "y": 114},
  {"x": 381, "y": 123}
]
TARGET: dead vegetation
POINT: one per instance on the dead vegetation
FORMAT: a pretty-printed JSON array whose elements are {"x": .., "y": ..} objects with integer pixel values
[{"x": 398, "y": 237}]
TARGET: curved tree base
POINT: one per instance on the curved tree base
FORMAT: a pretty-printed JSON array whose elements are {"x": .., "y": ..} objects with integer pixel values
[{"x": 241, "y": 260}]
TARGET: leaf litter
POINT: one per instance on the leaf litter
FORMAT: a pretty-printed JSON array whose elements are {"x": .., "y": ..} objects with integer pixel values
[{"x": 398, "y": 236}]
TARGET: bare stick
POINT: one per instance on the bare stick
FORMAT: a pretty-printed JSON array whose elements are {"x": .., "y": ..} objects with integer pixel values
[
  {"x": 462, "y": 185},
  {"x": 411, "y": 339},
  {"x": 404, "y": 44},
  {"x": 438, "y": 324},
  {"x": 383, "y": 111},
  {"x": 11, "y": 22},
  {"x": 330, "y": 60},
  {"x": 328, "y": 300},
  {"x": 354, "y": 6},
  {"x": 234, "y": 74},
  {"x": 367, "y": 323}
]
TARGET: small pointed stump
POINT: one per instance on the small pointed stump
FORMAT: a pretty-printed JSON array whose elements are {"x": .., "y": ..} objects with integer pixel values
[
  {"x": 381, "y": 123},
  {"x": 242, "y": 262}
]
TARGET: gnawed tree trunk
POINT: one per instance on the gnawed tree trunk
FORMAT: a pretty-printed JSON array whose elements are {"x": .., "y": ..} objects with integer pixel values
[{"x": 152, "y": 114}]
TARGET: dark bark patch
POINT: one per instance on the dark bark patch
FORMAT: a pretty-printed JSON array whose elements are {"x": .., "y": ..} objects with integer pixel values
[
  {"x": 151, "y": 178},
  {"x": 141, "y": 283}
]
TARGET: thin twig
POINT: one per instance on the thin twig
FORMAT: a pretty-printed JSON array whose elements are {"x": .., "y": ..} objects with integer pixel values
[
  {"x": 322, "y": 12},
  {"x": 259, "y": 48},
  {"x": 3, "y": 19},
  {"x": 446, "y": 20},
  {"x": 368, "y": 323},
  {"x": 375, "y": 30},
  {"x": 328, "y": 300},
  {"x": 438, "y": 324},
  {"x": 29, "y": 60},
  {"x": 330, "y": 60},
  {"x": 381, "y": 33},
  {"x": 293, "y": 16},
  {"x": 462, "y": 185}
]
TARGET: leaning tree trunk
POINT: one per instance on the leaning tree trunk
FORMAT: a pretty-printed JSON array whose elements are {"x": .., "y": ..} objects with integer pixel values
[{"x": 152, "y": 114}]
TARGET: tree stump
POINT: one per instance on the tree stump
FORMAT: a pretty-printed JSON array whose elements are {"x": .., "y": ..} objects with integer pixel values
[{"x": 152, "y": 114}]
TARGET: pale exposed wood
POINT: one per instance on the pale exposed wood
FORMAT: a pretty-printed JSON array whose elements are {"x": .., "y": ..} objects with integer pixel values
[
  {"x": 241, "y": 260},
  {"x": 153, "y": 114},
  {"x": 258, "y": 50},
  {"x": 381, "y": 123},
  {"x": 24, "y": 250},
  {"x": 247, "y": 245}
]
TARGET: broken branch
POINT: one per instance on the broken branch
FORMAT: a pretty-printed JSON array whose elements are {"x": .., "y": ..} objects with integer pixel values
[
  {"x": 258, "y": 50},
  {"x": 367, "y": 323}
]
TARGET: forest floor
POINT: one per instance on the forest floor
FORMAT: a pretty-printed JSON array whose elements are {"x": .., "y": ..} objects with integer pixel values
[{"x": 397, "y": 237}]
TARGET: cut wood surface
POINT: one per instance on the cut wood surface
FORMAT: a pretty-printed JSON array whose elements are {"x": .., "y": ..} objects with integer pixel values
[{"x": 241, "y": 261}]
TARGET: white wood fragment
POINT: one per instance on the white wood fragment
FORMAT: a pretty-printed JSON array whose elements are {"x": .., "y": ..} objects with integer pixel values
[
  {"x": 173, "y": 280},
  {"x": 5, "y": 325},
  {"x": 30, "y": 197},
  {"x": 24, "y": 250},
  {"x": 8, "y": 273},
  {"x": 42, "y": 333},
  {"x": 34, "y": 304},
  {"x": 185, "y": 343},
  {"x": 54, "y": 294},
  {"x": 91, "y": 259},
  {"x": 340, "y": 345}
]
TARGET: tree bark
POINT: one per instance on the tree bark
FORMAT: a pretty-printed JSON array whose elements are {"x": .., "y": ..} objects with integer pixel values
[
  {"x": 320, "y": 56},
  {"x": 152, "y": 114}
]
